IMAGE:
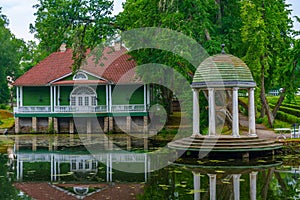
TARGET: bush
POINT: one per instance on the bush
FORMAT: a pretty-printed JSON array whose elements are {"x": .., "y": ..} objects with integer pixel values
[{"x": 287, "y": 117}]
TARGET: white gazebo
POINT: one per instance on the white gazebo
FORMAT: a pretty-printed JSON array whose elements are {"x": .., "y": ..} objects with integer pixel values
[
  {"x": 223, "y": 72},
  {"x": 216, "y": 75}
]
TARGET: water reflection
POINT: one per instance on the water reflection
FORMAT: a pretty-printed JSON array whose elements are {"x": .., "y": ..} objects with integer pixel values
[
  {"x": 63, "y": 164},
  {"x": 67, "y": 163}
]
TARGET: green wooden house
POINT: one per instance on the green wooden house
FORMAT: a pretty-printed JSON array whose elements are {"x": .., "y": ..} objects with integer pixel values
[{"x": 103, "y": 95}]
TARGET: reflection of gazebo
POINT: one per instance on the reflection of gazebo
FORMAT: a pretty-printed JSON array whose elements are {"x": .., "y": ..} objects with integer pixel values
[
  {"x": 228, "y": 74},
  {"x": 225, "y": 177}
]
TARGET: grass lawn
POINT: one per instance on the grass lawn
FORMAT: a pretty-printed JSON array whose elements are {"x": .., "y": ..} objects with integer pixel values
[{"x": 6, "y": 119}]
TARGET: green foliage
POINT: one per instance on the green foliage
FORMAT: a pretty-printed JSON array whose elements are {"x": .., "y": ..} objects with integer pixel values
[
  {"x": 80, "y": 24},
  {"x": 11, "y": 53},
  {"x": 287, "y": 117}
]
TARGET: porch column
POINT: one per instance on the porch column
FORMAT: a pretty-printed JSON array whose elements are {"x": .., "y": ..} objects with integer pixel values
[
  {"x": 34, "y": 124},
  {"x": 196, "y": 113},
  {"x": 148, "y": 95},
  {"x": 18, "y": 97},
  {"x": 253, "y": 185},
  {"x": 17, "y": 125},
  {"x": 235, "y": 113},
  {"x": 71, "y": 126},
  {"x": 21, "y": 96},
  {"x": 145, "y": 97},
  {"x": 55, "y": 124},
  {"x": 212, "y": 112},
  {"x": 212, "y": 186},
  {"x": 251, "y": 111},
  {"x": 51, "y": 99},
  {"x": 54, "y": 98},
  {"x": 196, "y": 186},
  {"x": 58, "y": 95},
  {"x": 107, "y": 99},
  {"x": 236, "y": 186}
]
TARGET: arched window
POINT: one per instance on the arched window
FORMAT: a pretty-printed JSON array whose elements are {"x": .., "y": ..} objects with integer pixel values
[
  {"x": 80, "y": 76},
  {"x": 83, "y": 96}
]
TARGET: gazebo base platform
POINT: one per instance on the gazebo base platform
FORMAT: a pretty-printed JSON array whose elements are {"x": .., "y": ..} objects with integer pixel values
[{"x": 221, "y": 145}]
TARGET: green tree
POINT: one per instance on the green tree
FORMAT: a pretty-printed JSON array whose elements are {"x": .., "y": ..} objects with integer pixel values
[
  {"x": 11, "y": 52},
  {"x": 266, "y": 32},
  {"x": 81, "y": 24}
]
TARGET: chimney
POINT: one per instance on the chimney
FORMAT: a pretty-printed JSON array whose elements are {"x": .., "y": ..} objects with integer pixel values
[
  {"x": 63, "y": 47},
  {"x": 118, "y": 45}
]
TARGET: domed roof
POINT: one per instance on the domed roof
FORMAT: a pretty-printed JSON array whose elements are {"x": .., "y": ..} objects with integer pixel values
[{"x": 223, "y": 70}]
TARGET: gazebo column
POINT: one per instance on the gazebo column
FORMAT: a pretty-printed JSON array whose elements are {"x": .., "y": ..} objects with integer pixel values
[
  {"x": 212, "y": 112},
  {"x": 196, "y": 185},
  {"x": 235, "y": 113},
  {"x": 196, "y": 113},
  {"x": 253, "y": 185},
  {"x": 212, "y": 186},
  {"x": 236, "y": 186},
  {"x": 251, "y": 110}
]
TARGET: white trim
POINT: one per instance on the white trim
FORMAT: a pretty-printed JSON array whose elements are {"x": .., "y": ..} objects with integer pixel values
[
  {"x": 91, "y": 74},
  {"x": 62, "y": 77},
  {"x": 69, "y": 74}
]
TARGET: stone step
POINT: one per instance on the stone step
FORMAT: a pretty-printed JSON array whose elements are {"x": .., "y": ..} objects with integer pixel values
[
  {"x": 224, "y": 144},
  {"x": 236, "y": 148},
  {"x": 187, "y": 140}
]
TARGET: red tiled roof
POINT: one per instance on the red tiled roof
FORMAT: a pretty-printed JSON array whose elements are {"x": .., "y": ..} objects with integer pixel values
[
  {"x": 54, "y": 66},
  {"x": 115, "y": 66}
]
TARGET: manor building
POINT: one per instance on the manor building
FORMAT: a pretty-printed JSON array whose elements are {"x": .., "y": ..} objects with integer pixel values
[{"x": 105, "y": 90}]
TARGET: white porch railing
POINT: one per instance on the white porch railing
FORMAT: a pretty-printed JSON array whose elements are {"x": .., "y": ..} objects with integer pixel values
[
  {"x": 75, "y": 109},
  {"x": 80, "y": 109},
  {"x": 32, "y": 109},
  {"x": 128, "y": 108}
]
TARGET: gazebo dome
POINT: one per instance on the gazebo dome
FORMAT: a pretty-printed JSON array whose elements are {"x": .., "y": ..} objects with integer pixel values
[{"x": 223, "y": 70}]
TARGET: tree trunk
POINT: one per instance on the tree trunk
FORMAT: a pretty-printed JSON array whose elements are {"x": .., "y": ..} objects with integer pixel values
[
  {"x": 264, "y": 100},
  {"x": 279, "y": 102}
]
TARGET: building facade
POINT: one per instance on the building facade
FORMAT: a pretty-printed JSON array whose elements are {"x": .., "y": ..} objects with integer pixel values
[{"x": 105, "y": 94}]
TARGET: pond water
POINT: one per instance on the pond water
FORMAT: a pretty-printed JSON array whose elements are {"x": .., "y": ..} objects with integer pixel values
[{"x": 69, "y": 167}]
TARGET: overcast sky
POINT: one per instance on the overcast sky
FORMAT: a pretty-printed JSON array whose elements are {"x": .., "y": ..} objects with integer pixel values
[{"x": 20, "y": 15}]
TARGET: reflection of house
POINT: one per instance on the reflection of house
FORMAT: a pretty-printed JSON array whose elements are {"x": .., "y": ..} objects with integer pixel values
[
  {"x": 70, "y": 164},
  {"x": 49, "y": 95}
]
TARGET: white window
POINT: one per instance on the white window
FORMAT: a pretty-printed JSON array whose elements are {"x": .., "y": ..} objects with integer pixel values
[
  {"x": 80, "y": 76},
  {"x": 83, "y": 97}
]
